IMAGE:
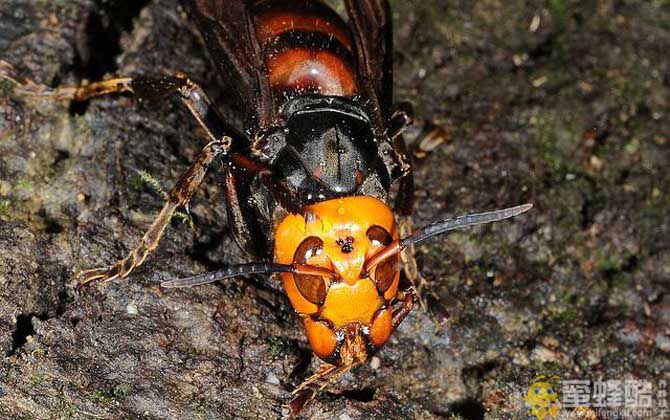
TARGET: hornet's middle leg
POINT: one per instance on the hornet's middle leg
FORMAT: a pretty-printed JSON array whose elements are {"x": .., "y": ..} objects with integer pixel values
[
  {"x": 179, "y": 195},
  {"x": 150, "y": 88}
]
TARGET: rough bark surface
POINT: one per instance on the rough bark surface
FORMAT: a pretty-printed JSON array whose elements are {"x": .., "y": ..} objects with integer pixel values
[{"x": 560, "y": 103}]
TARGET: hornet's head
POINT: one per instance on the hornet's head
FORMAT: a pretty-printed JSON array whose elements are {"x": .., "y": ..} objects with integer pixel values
[{"x": 346, "y": 310}]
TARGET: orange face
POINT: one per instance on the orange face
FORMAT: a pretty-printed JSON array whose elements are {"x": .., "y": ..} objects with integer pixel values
[{"x": 345, "y": 314}]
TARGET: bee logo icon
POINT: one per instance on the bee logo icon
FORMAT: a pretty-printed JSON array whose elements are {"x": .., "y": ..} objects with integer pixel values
[{"x": 541, "y": 400}]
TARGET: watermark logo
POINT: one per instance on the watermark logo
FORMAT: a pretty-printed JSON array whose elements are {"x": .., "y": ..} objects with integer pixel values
[
  {"x": 616, "y": 398},
  {"x": 547, "y": 397},
  {"x": 542, "y": 399}
]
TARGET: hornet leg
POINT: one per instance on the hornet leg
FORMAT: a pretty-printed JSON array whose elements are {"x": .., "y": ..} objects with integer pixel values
[
  {"x": 407, "y": 299},
  {"x": 308, "y": 390},
  {"x": 420, "y": 291},
  {"x": 405, "y": 208},
  {"x": 144, "y": 88},
  {"x": 424, "y": 135},
  {"x": 149, "y": 88},
  {"x": 428, "y": 136},
  {"x": 179, "y": 195}
]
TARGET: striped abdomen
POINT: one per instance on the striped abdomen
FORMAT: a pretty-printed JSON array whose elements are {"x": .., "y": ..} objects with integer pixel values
[{"x": 307, "y": 47}]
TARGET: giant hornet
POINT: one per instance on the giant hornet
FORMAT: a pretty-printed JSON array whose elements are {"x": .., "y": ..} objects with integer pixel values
[{"x": 318, "y": 184}]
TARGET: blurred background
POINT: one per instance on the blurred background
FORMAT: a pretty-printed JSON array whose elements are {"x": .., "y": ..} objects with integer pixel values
[{"x": 560, "y": 103}]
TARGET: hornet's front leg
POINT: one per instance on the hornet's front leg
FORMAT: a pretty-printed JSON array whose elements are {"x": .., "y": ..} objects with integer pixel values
[
  {"x": 406, "y": 298},
  {"x": 424, "y": 137},
  {"x": 410, "y": 266},
  {"x": 326, "y": 376},
  {"x": 405, "y": 208}
]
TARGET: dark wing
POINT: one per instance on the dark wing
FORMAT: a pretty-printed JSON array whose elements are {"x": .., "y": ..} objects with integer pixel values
[
  {"x": 228, "y": 31},
  {"x": 370, "y": 22}
]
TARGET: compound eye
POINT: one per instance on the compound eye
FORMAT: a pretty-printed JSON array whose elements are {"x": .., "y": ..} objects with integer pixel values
[
  {"x": 378, "y": 236},
  {"x": 313, "y": 288},
  {"x": 385, "y": 271}
]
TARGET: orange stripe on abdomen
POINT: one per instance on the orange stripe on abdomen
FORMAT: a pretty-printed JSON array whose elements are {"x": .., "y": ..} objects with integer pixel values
[
  {"x": 275, "y": 23},
  {"x": 307, "y": 71},
  {"x": 307, "y": 47}
]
